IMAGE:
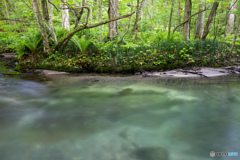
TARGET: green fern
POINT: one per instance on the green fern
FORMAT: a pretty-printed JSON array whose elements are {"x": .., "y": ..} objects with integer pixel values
[
  {"x": 32, "y": 43},
  {"x": 82, "y": 43}
]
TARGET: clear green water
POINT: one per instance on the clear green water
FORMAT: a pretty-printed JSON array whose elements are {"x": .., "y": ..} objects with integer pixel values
[{"x": 82, "y": 117}]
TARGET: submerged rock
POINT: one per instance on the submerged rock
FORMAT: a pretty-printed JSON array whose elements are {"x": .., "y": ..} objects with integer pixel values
[{"x": 151, "y": 153}]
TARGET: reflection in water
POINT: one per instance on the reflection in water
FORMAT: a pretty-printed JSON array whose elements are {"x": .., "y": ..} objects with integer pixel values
[{"x": 119, "y": 118}]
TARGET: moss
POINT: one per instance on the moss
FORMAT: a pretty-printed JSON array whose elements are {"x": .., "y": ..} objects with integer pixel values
[
  {"x": 11, "y": 73},
  {"x": 217, "y": 65}
]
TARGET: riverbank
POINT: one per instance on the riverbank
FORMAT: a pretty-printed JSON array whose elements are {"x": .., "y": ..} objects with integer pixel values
[{"x": 164, "y": 70}]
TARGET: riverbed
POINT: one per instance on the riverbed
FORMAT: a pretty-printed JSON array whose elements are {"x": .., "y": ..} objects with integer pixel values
[{"x": 118, "y": 117}]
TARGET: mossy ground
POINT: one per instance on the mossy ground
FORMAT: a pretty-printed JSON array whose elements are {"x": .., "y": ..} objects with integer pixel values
[{"x": 104, "y": 64}]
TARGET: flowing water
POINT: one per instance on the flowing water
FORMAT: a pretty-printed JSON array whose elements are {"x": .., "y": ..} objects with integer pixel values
[{"x": 103, "y": 117}]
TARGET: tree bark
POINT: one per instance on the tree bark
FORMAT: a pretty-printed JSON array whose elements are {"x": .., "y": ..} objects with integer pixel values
[
  {"x": 45, "y": 10},
  {"x": 200, "y": 21},
  {"x": 230, "y": 20},
  {"x": 42, "y": 27},
  {"x": 113, "y": 13},
  {"x": 170, "y": 19},
  {"x": 235, "y": 37},
  {"x": 65, "y": 16},
  {"x": 209, "y": 21},
  {"x": 187, "y": 14}
]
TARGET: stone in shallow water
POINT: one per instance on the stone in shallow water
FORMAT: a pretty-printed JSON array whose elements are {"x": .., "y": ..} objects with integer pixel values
[{"x": 151, "y": 153}]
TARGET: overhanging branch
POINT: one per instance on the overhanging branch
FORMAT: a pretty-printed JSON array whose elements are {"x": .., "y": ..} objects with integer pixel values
[
  {"x": 189, "y": 18},
  {"x": 69, "y": 36}
]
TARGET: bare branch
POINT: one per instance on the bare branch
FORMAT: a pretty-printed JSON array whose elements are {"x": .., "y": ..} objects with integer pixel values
[
  {"x": 53, "y": 5},
  {"x": 231, "y": 7},
  {"x": 80, "y": 15},
  {"x": 69, "y": 6},
  {"x": 27, "y": 5},
  {"x": 6, "y": 19},
  {"x": 189, "y": 18}
]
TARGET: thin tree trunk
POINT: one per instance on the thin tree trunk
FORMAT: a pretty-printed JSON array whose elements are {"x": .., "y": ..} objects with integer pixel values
[
  {"x": 113, "y": 13},
  {"x": 129, "y": 20},
  {"x": 91, "y": 12},
  {"x": 97, "y": 15},
  {"x": 189, "y": 19},
  {"x": 170, "y": 19},
  {"x": 200, "y": 21},
  {"x": 51, "y": 22},
  {"x": 138, "y": 14},
  {"x": 179, "y": 14},
  {"x": 42, "y": 27},
  {"x": 230, "y": 20},
  {"x": 101, "y": 29},
  {"x": 151, "y": 11},
  {"x": 209, "y": 21},
  {"x": 80, "y": 15},
  {"x": 187, "y": 14},
  {"x": 235, "y": 37},
  {"x": 65, "y": 17}
]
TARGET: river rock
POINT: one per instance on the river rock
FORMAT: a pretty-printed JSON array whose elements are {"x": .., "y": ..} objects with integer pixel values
[{"x": 199, "y": 72}]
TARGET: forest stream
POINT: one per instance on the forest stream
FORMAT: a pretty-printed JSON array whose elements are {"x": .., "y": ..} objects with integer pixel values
[{"x": 118, "y": 117}]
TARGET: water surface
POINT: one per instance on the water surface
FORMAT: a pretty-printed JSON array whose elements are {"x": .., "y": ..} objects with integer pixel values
[{"x": 103, "y": 117}]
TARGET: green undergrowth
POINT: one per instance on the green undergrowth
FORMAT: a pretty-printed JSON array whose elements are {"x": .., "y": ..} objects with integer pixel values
[
  {"x": 154, "y": 50},
  {"x": 109, "y": 63}
]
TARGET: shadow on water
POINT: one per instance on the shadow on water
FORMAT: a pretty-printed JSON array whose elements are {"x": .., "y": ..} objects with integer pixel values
[{"x": 102, "y": 117}]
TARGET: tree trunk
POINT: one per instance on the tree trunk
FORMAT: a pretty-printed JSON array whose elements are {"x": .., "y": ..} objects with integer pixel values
[
  {"x": 187, "y": 14},
  {"x": 179, "y": 14},
  {"x": 209, "y": 21},
  {"x": 113, "y": 13},
  {"x": 200, "y": 21},
  {"x": 101, "y": 20},
  {"x": 230, "y": 20},
  {"x": 42, "y": 27},
  {"x": 170, "y": 19},
  {"x": 51, "y": 23},
  {"x": 235, "y": 37},
  {"x": 80, "y": 15},
  {"x": 65, "y": 17},
  {"x": 138, "y": 14},
  {"x": 45, "y": 10}
]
